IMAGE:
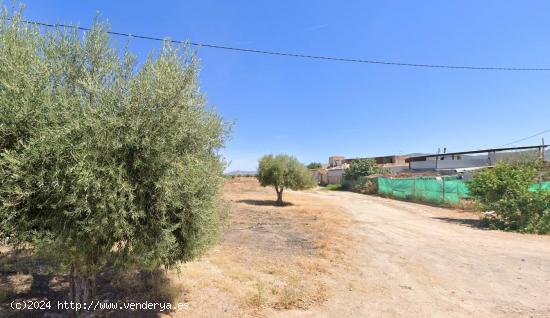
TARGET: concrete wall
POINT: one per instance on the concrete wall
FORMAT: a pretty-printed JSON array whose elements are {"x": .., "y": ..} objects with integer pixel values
[
  {"x": 320, "y": 176},
  {"x": 396, "y": 168},
  {"x": 335, "y": 176},
  {"x": 423, "y": 165},
  {"x": 395, "y": 160},
  {"x": 324, "y": 179},
  {"x": 335, "y": 161},
  {"x": 316, "y": 175},
  {"x": 449, "y": 164}
]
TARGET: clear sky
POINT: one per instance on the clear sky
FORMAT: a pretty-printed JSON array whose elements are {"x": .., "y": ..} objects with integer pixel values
[{"x": 313, "y": 109}]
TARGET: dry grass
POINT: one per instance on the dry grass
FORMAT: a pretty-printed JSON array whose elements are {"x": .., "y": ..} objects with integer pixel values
[
  {"x": 149, "y": 285},
  {"x": 12, "y": 285},
  {"x": 270, "y": 258}
]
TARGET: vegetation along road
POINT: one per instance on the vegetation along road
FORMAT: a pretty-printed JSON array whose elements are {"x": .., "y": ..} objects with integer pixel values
[{"x": 416, "y": 261}]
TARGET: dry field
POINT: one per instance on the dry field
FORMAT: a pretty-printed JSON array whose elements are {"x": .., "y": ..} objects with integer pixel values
[{"x": 271, "y": 260}]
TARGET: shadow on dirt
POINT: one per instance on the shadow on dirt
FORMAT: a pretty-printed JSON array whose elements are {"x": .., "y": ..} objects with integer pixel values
[
  {"x": 27, "y": 278},
  {"x": 265, "y": 203},
  {"x": 474, "y": 223}
]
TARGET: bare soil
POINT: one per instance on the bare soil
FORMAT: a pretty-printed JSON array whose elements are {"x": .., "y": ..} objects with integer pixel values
[{"x": 421, "y": 261}]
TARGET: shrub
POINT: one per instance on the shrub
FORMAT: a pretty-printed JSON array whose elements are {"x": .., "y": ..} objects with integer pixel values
[
  {"x": 364, "y": 185},
  {"x": 258, "y": 298},
  {"x": 369, "y": 186},
  {"x": 505, "y": 190},
  {"x": 362, "y": 168},
  {"x": 314, "y": 165}
]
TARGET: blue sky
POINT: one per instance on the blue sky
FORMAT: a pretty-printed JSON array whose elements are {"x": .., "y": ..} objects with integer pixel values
[{"x": 313, "y": 109}]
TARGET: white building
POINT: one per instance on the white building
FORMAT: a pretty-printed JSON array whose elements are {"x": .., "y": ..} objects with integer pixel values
[{"x": 473, "y": 159}]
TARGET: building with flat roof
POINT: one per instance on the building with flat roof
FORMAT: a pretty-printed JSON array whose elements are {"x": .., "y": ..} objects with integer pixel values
[{"x": 473, "y": 158}]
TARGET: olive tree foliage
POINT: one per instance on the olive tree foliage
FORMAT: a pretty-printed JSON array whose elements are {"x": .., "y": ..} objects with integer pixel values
[
  {"x": 283, "y": 172},
  {"x": 101, "y": 160}
]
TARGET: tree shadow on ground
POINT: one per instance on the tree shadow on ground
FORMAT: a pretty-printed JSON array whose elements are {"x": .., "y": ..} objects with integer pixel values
[
  {"x": 25, "y": 277},
  {"x": 265, "y": 203},
  {"x": 472, "y": 222}
]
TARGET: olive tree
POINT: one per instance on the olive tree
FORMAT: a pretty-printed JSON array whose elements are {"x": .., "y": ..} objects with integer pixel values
[
  {"x": 283, "y": 172},
  {"x": 100, "y": 160}
]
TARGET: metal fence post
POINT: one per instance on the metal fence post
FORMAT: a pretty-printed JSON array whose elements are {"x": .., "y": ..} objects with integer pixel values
[
  {"x": 443, "y": 190},
  {"x": 414, "y": 188}
]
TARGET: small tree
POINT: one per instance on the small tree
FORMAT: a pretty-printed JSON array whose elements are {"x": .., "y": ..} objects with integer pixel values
[
  {"x": 314, "y": 165},
  {"x": 100, "y": 161},
  {"x": 283, "y": 172},
  {"x": 362, "y": 168}
]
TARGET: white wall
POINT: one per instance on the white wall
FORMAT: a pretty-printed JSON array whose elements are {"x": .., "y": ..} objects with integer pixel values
[
  {"x": 396, "y": 169},
  {"x": 423, "y": 165},
  {"x": 448, "y": 164}
]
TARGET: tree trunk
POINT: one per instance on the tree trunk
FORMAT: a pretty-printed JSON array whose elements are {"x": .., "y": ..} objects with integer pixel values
[
  {"x": 279, "y": 196},
  {"x": 81, "y": 289}
]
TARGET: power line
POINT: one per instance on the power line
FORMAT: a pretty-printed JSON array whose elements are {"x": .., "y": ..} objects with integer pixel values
[
  {"x": 306, "y": 56},
  {"x": 522, "y": 139}
]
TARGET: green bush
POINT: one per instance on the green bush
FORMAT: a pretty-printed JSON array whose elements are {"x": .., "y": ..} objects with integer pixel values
[
  {"x": 362, "y": 168},
  {"x": 369, "y": 186},
  {"x": 505, "y": 190},
  {"x": 361, "y": 184},
  {"x": 314, "y": 165}
]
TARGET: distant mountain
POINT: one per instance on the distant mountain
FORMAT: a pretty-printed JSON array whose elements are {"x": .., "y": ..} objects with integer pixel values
[{"x": 241, "y": 173}]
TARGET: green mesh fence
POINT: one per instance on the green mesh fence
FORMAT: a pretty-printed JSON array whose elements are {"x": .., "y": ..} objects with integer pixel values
[
  {"x": 428, "y": 189},
  {"x": 540, "y": 186},
  {"x": 352, "y": 184},
  {"x": 448, "y": 189}
]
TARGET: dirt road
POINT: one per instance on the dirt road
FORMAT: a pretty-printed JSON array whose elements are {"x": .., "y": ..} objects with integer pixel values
[{"x": 414, "y": 260}]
